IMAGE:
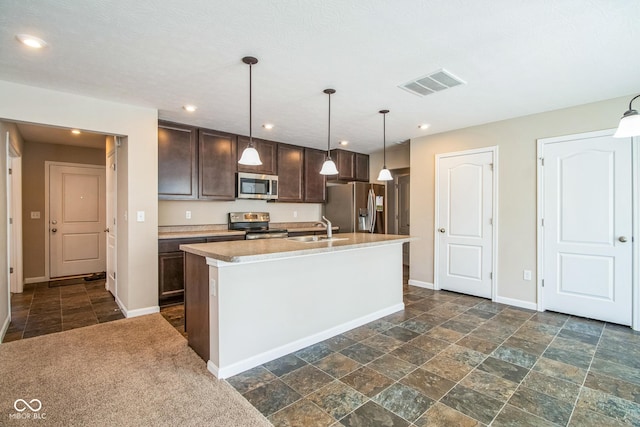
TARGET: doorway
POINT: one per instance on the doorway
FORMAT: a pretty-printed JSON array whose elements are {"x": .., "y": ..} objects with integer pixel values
[
  {"x": 465, "y": 234},
  {"x": 76, "y": 216},
  {"x": 585, "y": 232}
]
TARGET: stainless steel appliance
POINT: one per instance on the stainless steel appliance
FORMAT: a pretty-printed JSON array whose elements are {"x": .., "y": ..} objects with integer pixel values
[
  {"x": 356, "y": 206},
  {"x": 256, "y": 186},
  {"x": 256, "y": 225}
]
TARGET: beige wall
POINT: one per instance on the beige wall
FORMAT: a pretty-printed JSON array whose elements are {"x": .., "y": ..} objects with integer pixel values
[
  {"x": 208, "y": 212},
  {"x": 33, "y": 196},
  {"x": 137, "y": 274},
  {"x": 516, "y": 141},
  {"x": 4, "y": 248}
]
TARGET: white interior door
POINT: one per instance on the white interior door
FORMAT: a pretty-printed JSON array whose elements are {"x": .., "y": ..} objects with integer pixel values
[
  {"x": 464, "y": 235},
  {"x": 587, "y": 232},
  {"x": 111, "y": 221},
  {"x": 76, "y": 219}
]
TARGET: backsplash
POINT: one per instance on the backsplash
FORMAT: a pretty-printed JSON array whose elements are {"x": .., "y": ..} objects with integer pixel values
[{"x": 173, "y": 212}]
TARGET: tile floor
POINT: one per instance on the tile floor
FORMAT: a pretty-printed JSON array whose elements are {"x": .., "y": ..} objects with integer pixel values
[
  {"x": 42, "y": 309},
  {"x": 456, "y": 360}
]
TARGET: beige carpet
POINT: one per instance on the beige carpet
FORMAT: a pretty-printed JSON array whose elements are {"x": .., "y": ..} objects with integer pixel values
[{"x": 131, "y": 372}]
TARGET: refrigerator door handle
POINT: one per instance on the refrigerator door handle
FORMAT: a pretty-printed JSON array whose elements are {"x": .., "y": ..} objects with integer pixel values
[{"x": 371, "y": 207}]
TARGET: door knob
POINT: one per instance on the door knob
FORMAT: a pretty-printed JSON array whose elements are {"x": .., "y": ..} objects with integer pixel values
[
  {"x": 53, "y": 230},
  {"x": 106, "y": 230},
  {"x": 623, "y": 239},
  {"x": 442, "y": 230}
]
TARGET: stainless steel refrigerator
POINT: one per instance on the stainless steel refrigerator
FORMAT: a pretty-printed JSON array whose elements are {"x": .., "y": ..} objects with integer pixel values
[{"x": 356, "y": 206}]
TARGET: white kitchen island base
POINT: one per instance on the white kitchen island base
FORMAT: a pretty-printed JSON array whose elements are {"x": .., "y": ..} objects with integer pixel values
[{"x": 260, "y": 310}]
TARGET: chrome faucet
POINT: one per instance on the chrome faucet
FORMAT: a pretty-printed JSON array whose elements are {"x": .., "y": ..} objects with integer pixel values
[{"x": 328, "y": 226}]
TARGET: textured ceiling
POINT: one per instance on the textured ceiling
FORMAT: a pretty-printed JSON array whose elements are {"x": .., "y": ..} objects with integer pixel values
[
  {"x": 62, "y": 136},
  {"x": 517, "y": 57}
]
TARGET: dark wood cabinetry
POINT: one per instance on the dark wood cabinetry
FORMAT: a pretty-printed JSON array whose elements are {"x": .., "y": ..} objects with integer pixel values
[
  {"x": 315, "y": 185},
  {"x": 171, "y": 266},
  {"x": 362, "y": 167},
  {"x": 217, "y": 165},
  {"x": 177, "y": 162},
  {"x": 291, "y": 173},
  {"x": 268, "y": 151},
  {"x": 351, "y": 166}
]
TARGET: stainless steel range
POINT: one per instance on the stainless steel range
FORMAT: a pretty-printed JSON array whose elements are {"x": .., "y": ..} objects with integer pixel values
[{"x": 255, "y": 224}]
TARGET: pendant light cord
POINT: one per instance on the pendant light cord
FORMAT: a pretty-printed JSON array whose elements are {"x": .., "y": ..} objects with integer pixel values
[
  {"x": 329, "y": 131},
  {"x": 384, "y": 141},
  {"x": 250, "y": 110}
]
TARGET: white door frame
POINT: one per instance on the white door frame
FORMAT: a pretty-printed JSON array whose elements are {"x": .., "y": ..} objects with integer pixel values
[
  {"x": 635, "y": 161},
  {"x": 494, "y": 208},
  {"x": 47, "y": 220}
]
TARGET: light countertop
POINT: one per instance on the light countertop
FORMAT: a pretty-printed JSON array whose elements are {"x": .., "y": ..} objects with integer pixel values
[{"x": 264, "y": 249}]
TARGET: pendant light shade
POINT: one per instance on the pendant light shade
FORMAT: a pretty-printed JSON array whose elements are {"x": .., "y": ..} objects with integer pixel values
[
  {"x": 250, "y": 156},
  {"x": 385, "y": 174},
  {"x": 329, "y": 167},
  {"x": 629, "y": 123}
]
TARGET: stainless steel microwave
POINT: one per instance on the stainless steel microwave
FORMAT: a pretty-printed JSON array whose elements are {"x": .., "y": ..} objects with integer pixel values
[{"x": 256, "y": 186}]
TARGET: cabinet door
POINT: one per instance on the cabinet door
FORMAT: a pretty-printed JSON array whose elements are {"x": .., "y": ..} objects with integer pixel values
[
  {"x": 170, "y": 277},
  {"x": 177, "y": 162},
  {"x": 345, "y": 162},
  {"x": 315, "y": 185},
  {"x": 290, "y": 173},
  {"x": 217, "y": 172},
  {"x": 362, "y": 167},
  {"x": 268, "y": 151}
]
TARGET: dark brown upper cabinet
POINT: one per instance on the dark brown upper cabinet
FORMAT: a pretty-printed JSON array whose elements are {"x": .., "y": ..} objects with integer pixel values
[
  {"x": 351, "y": 166},
  {"x": 290, "y": 173},
  {"x": 362, "y": 167},
  {"x": 315, "y": 185},
  {"x": 177, "y": 162},
  {"x": 217, "y": 165},
  {"x": 268, "y": 151}
]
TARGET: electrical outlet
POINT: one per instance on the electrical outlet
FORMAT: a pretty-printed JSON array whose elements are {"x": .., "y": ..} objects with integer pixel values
[
  {"x": 295, "y": 214},
  {"x": 187, "y": 215},
  {"x": 526, "y": 274},
  {"x": 35, "y": 215}
]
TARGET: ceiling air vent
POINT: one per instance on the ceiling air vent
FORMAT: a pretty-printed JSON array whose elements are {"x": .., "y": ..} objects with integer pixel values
[{"x": 432, "y": 83}]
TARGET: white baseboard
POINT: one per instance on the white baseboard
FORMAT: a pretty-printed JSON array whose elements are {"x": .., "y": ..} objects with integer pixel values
[
  {"x": 138, "y": 311},
  {"x": 259, "y": 359},
  {"x": 5, "y": 327},
  {"x": 421, "y": 284},
  {"x": 28, "y": 280},
  {"x": 517, "y": 303}
]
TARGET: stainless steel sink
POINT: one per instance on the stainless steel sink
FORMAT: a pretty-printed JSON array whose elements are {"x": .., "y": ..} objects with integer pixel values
[{"x": 312, "y": 239}]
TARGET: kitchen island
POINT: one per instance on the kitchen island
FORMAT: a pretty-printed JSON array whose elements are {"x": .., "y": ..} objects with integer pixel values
[{"x": 249, "y": 302}]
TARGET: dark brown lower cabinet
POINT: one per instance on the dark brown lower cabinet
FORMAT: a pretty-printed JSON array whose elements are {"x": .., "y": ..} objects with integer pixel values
[
  {"x": 196, "y": 305},
  {"x": 171, "y": 267}
]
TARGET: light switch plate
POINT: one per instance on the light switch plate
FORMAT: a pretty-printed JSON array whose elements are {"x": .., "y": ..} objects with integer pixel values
[
  {"x": 526, "y": 275},
  {"x": 35, "y": 215},
  {"x": 140, "y": 216},
  {"x": 187, "y": 215}
]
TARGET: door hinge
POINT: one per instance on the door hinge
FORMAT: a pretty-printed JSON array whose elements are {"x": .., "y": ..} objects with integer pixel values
[
  {"x": 542, "y": 222},
  {"x": 543, "y": 283},
  {"x": 491, "y": 276},
  {"x": 10, "y": 270},
  {"x": 10, "y": 171},
  {"x": 114, "y": 275},
  {"x": 541, "y": 161},
  {"x": 490, "y": 221},
  {"x": 113, "y": 166},
  {"x": 10, "y": 221},
  {"x": 491, "y": 166}
]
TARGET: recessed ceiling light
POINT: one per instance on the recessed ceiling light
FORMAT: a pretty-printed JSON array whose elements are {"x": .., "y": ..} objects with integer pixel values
[
  {"x": 344, "y": 142},
  {"x": 424, "y": 126},
  {"x": 268, "y": 126},
  {"x": 190, "y": 108},
  {"x": 75, "y": 131},
  {"x": 31, "y": 41}
]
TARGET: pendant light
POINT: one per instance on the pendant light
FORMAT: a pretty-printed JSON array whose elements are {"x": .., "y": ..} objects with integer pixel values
[
  {"x": 250, "y": 155},
  {"x": 629, "y": 123},
  {"x": 329, "y": 167},
  {"x": 385, "y": 174}
]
